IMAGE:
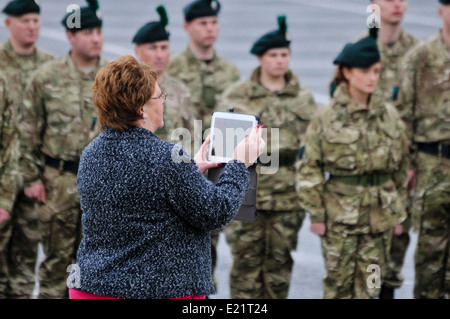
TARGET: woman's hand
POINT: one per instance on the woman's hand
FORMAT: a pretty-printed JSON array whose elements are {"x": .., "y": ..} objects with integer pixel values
[
  {"x": 201, "y": 158},
  {"x": 318, "y": 228},
  {"x": 250, "y": 148}
]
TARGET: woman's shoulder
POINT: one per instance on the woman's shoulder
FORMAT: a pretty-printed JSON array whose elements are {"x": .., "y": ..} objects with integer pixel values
[{"x": 135, "y": 138}]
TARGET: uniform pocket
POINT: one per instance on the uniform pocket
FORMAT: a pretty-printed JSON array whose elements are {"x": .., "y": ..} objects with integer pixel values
[
  {"x": 332, "y": 247},
  {"x": 340, "y": 147},
  {"x": 342, "y": 203},
  {"x": 390, "y": 210},
  {"x": 393, "y": 143}
]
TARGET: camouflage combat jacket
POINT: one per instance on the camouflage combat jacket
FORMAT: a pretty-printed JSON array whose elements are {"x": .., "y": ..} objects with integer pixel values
[
  {"x": 206, "y": 81},
  {"x": 391, "y": 58},
  {"x": 285, "y": 115},
  {"x": 9, "y": 149},
  {"x": 18, "y": 69},
  {"x": 347, "y": 139},
  {"x": 424, "y": 96},
  {"x": 59, "y": 118},
  {"x": 178, "y": 111}
]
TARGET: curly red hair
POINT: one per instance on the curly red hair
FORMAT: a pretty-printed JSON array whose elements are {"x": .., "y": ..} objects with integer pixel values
[{"x": 121, "y": 88}]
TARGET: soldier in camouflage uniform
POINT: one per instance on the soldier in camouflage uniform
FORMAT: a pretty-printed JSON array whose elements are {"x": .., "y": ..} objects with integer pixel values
[
  {"x": 8, "y": 175},
  {"x": 19, "y": 57},
  {"x": 203, "y": 71},
  {"x": 393, "y": 44},
  {"x": 262, "y": 262},
  {"x": 59, "y": 120},
  {"x": 424, "y": 103},
  {"x": 153, "y": 47},
  {"x": 359, "y": 140}
]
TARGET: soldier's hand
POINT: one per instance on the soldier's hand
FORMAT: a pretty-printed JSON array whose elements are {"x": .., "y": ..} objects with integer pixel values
[
  {"x": 398, "y": 230},
  {"x": 201, "y": 158},
  {"x": 318, "y": 228},
  {"x": 412, "y": 179},
  {"x": 3, "y": 215},
  {"x": 36, "y": 192}
]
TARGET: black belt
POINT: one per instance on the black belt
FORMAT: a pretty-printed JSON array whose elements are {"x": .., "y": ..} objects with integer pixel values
[
  {"x": 437, "y": 149},
  {"x": 364, "y": 180},
  {"x": 67, "y": 166},
  {"x": 284, "y": 159}
]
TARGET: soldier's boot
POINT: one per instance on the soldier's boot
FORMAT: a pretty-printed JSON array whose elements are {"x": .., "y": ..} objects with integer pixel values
[{"x": 386, "y": 292}]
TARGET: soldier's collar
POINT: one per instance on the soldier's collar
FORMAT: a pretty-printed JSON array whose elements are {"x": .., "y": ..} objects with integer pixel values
[
  {"x": 9, "y": 48},
  {"x": 292, "y": 86},
  {"x": 395, "y": 46},
  {"x": 74, "y": 70},
  {"x": 193, "y": 58},
  {"x": 342, "y": 97}
]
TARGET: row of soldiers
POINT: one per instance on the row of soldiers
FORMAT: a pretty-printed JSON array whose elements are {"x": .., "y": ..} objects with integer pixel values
[{"x": 51, "y": 98}]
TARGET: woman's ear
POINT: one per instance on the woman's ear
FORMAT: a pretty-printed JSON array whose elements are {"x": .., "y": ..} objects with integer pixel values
[
  {"x": 346, "y": 72},
  {"x": 142, "y": 112}
]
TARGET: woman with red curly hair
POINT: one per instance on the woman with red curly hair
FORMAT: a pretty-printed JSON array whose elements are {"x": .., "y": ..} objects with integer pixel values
[{"x": 147, "y": 215}]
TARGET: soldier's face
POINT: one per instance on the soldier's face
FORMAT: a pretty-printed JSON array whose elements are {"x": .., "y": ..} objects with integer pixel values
[
  {"x": 392, "y": 11},
  {"x": 24, "y": 29},
  {"x": 156, "y": 55},
  {"x": 363, "y": 80},
  {"x": 203, "y": 31},
  {"x": 87, "y": 43},
  {"x": 275, "y": 62}
]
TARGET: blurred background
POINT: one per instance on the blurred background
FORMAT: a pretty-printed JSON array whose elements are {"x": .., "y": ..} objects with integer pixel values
[{"x": 319, "y": 29}]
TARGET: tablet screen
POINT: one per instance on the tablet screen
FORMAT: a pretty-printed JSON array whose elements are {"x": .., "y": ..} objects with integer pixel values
[{"x": 227, "y": 130}]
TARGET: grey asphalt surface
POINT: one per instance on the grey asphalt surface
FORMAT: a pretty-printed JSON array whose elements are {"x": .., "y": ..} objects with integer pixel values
[{"x": 319, "y": 30}]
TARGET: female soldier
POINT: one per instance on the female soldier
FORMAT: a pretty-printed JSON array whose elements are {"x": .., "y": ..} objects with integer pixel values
[
  {"x": 262, "y": 250},
  {"x": 359, "y": 141}
]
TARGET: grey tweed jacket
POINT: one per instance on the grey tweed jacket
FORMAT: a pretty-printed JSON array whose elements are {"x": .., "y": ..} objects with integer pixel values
[{"x": 147, "y": 216}]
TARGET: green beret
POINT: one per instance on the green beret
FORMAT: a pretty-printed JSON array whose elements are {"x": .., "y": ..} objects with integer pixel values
[
  {"x": 18, "y": 8},
  {"x": 154, "y": 31},
  {"x": 89, "y": 18},
  {"x": 275, "y": 39},
  {"x": 361, "y": 54},
  {"x": 444, "y": 1},
  {"x": 200, "y": 9}
]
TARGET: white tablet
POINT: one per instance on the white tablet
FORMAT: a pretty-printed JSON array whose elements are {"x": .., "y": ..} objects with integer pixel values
[{"x": 228, "y": 129}]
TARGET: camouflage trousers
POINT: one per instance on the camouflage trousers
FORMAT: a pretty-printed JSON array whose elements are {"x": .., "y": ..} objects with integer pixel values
[
  {"x": 432, "y": 205},
  {"x": 355, "y": 264},
  {"x": 393, "y": 277},
  {"x": 262, "y": 261},
  {"x": 60, "y": 228},
  {"x": 19, "y": 238}
]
